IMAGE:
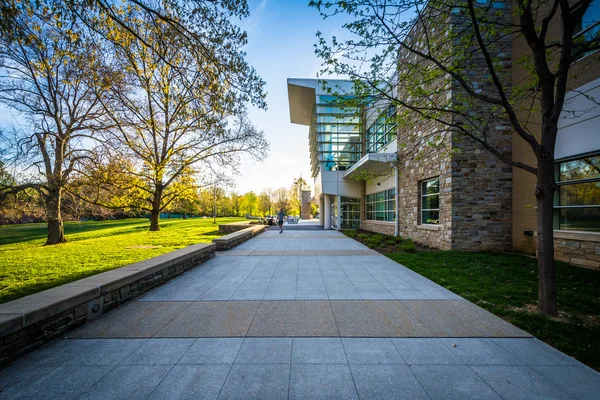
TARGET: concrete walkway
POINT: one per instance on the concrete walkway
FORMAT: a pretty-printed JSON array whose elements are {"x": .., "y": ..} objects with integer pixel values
[{"x": 301, "y": 315}]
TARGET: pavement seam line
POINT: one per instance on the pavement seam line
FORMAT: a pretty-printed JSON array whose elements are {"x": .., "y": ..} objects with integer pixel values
[
  {"x": 231, "y": 367},
  {"x": 350, "y": 368}
]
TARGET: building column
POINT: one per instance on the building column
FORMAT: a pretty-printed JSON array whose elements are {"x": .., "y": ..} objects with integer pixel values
[
  {"x": 339, "y": 212},
  {"x": 327, "y": 212},
  {"x": 321, "y": 210}
]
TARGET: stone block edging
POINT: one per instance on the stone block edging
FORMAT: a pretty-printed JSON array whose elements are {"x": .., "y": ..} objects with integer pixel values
[
  {"x": 30, "y": 321},
  {"x": 231, "y": 240}
]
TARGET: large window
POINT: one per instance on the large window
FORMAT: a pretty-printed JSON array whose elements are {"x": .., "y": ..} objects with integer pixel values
[
  {"x": 381, "y": 206},
  {"x": 337, "y": 130},
  {"x": 577, "y": 199},
  {"x": 588, "y": 29},
  {"x": 430, "y": 201},
  {"x": 382, "y": 131}
]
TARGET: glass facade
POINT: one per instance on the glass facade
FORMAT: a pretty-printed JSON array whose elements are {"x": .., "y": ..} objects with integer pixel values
[
  {"x": 335, "y": 135},
  {"x": 381, "y": 206},
  {"x": 382, "y": 131},
  {"x": 577, "y": 198},
  {"x": 350, "y": 213},
  {"x": 430, "y": 201}
]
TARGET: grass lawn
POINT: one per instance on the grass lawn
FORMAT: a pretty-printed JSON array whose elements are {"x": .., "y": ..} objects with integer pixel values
[
  {"x": 27, "y": 266},
  {"x": 507, "y": 285}
]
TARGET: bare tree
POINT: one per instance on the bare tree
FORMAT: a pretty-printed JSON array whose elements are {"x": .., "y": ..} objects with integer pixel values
[
  {"x": 412, "y": 52},
  {"x": 51, "y": 73}
]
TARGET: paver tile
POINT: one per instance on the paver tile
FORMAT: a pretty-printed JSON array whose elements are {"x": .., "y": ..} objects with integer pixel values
[
  {"x": 376, "y": 319},
  {"x": 452, "y": 382},
  {"x": 58, "y": 353},
  {"x": 106, "y": 352},
  {"x": 384, "y": 382},
  {"x": 212, "y": 319},
  {"x": 212, "y": 351},
  {"x": 321, "y": 381},
  {"x": 425, "y": 351},
  {"x": 581, "y": 382},
  {"x": 480, "y": 351},
  {"x": 268, "y": 382},
  {"x": 128, "y": 382},
  {"x": 159, "y": 352},
  {"x": 193, "y": 382},
  {"x": 531, "y": 351},
  {"x": 318, "y": 351},
  {"x": 265, "y": 351},
  {"x": 19, "y": 376},
  {"x": 519, "y": 383},
  {"x": 68, "y": 382},
  {"x": 294, "y": 318},
  {"x": 133, "y": 320},
  {"x": 371, "y": 351}
]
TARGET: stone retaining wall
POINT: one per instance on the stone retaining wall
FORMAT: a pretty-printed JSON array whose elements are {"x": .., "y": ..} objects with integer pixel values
[
  {"x": 29, "y": 322},
  {"x": 234, "y": 226},
  {"x": 577, "y": 248},
  {"x": 233, "y": 239}
]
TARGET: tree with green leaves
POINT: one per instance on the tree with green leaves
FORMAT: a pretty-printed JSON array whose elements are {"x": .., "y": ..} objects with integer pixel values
[
  {"x": 178, "y": 117},
  {"x": 52, "y": 73},
  {"x": 412, "y": 53}
]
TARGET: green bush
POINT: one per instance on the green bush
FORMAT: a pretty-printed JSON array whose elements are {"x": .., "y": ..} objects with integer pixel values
[
  {"x": 363, "y": 236},
  {"x": 409, "y": 246}
]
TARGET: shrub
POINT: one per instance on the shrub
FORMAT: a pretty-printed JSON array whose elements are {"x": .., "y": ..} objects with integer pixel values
[{"x": 409, "y": 246}]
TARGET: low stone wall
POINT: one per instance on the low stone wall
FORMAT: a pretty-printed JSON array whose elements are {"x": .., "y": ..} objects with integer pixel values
[
  {"x": 29, "y": 322},
  {"x": 577, "y": 248},
  {"x": 385, "y": 228},
  {"x": 235, "y": 226},
  {"x": 231, "y": 240}
]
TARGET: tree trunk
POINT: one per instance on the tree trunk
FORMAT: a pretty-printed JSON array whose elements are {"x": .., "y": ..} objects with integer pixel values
[
  {"x": 56, "y": 233},
  {"x": 155, "y": 213},
  {"x": 545, "y": 243}
]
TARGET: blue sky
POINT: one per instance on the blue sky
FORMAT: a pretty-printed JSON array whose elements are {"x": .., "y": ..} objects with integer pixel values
[{"x": 281, "y": 36}]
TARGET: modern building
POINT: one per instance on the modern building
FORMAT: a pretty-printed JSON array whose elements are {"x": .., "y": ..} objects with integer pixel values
[{"x": 465, "y": 199}]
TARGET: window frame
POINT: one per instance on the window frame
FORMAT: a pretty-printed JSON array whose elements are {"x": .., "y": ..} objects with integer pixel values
[
  {"x": 371, "y": 200},
  {"x": 422, "y": 195},
  {"x": 559, "y": 184}
]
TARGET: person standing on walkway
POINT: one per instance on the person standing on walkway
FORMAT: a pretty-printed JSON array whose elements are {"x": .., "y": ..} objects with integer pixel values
[{"x": 280, "y": 217}]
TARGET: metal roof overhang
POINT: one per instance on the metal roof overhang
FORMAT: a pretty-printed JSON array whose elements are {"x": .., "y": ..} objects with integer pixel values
[
  {"x": 373, "y": 164},
  {"x": 301, "y": 99}
]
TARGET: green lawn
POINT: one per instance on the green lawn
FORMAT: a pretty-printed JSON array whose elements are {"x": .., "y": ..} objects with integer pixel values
[
  {"x": 27, "y": 266},
  {"x": 507, "y": 285}
]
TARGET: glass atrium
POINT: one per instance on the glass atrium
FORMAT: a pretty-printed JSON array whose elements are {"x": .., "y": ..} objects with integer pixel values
[{"x": 335, "y": 135}]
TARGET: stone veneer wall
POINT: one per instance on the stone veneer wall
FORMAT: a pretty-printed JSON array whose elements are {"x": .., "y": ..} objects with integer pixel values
[
  {"x": 481, "y": 183},
  {"x": 387, "y": 228},
  {"x": 418, "y": 162},
  {"x": 306, "y": 209},
  {"x": 481, "y": 198},
  {"x": 577, "y": 248}
]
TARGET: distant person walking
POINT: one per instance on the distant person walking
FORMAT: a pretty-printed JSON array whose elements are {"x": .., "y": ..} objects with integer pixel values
[{"x": 280, "y": 217}]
